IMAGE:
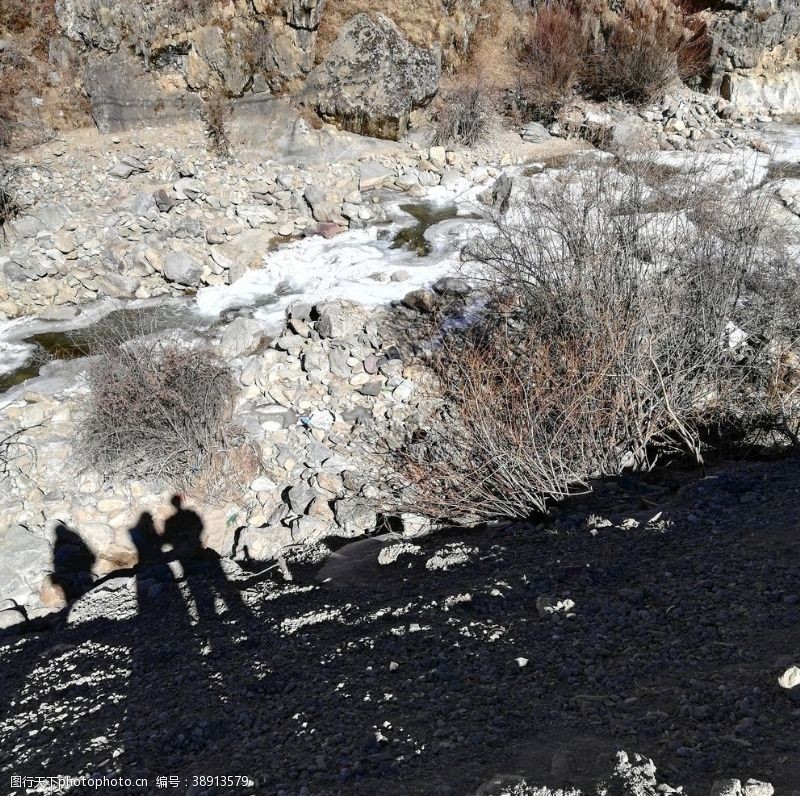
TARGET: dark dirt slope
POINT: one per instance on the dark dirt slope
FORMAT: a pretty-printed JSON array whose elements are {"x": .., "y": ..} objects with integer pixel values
[{"x": 403, "y": 680}]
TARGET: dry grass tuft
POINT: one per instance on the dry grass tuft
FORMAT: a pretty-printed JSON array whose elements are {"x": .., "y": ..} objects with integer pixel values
[
  {"x": 216, "y": 114},
  {"x": 157, "y": 409}
]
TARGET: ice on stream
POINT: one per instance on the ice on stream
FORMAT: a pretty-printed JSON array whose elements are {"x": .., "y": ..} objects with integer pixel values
[{"x": 356, "y": 265}]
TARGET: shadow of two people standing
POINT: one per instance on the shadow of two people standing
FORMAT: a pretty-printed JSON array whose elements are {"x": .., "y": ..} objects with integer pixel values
[{"x": 181, "y": 541}]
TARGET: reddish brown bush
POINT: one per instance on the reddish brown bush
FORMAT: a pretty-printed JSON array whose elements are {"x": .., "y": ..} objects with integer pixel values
[
  {"x": 609, "y": 342},
  {"x": 552, "y": 58},
  {"x": 156, "y": 410}
]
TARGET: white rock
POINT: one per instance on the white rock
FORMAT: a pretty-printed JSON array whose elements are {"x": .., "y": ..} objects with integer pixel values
[
  {"x": 726, "y": 787},
  {"x": 240, "y": 338},
  {"x": 754, "y": 787},
  {"x": 790, "y": 678}
]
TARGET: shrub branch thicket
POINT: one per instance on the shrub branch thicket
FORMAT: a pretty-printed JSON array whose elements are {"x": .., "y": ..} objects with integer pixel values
[
  {"x": 649, "y": 48},
  {"x": 216, "y": 114},
  {"x": 157, "y": 409},
  {"x": 631, "y": 317},
  {"x": 464, "y": 118}
]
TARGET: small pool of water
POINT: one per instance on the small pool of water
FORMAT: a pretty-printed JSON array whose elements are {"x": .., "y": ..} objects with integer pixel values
[
  {"x": 427, "y": 215},
  {"x": 122, "y": 324}
]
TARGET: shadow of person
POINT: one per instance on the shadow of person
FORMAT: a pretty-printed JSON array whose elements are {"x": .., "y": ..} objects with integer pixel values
[
  {"x": 161, "y": 626},
  {"x": 202, "y": 567},
  {"x": 72, "y": 564},
  {"x": 153, "y": 575}
]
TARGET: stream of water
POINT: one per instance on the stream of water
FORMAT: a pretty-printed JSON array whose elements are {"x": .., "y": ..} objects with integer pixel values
[{"x": 371, "y": 266}]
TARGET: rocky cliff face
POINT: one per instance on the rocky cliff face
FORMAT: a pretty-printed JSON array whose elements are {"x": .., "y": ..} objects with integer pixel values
[
  {"x": 148, "y": 63},
  {"x": 145, "y": 62},
  {"x": 756, "y": 54}
]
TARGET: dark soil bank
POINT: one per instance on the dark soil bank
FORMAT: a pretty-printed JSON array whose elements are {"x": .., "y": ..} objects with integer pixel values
[{"x": 405, "y": 679}]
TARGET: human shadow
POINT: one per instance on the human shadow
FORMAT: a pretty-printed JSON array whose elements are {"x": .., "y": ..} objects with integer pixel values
[
  {"x": 201, "y": 566},
  {"x": 166, "y": 682},
  {"x": 72, "y": 564},
  {"x": 175, "y": 575}
]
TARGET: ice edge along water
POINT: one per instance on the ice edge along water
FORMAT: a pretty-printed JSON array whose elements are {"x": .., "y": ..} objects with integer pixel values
[{"x": 355, "y": 265}]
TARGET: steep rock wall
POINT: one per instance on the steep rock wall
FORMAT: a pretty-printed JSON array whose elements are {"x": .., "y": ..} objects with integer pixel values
[{"x": 756, "y": 54}]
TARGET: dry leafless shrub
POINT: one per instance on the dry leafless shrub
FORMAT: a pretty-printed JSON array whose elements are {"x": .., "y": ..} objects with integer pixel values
[
  {"x": 464, "y": 118},
  {"x": 627, "y": 322},
  {"x": 553, "y": 56},
  {"x": 650, "y": 47},
  {"x": 8, "y": 205},
  {"x": 216, "y": 113},
  {"x": 157, "y": 409}
]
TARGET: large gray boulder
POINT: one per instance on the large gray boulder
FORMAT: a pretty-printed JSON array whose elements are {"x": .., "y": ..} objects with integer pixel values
[
  {"x": 183, "y": 269},
  {"x": 372, "y": 78}
]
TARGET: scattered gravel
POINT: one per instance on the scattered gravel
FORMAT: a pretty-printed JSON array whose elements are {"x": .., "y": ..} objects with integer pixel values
[{"x": 411, "y": 682}]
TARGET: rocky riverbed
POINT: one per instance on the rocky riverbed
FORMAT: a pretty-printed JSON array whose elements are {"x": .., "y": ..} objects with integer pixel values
[
  {"x": 313, "y": 319},
  {"x": 314, "y": 268}
]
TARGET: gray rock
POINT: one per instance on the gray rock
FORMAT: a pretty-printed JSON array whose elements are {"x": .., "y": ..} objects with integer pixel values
[
  {"x": 188, "y": 188},
  {"x": 498, "y": 195},
  {"x": 299, "y": 497},
  {"x": 317, "y": 362},
  {"x": 25, "y": 560},
  {"x": 277, "y": 416},
  {"x": 183, "y": 269},
  {"x": 27, "y": 226},
  {"x": 52, "y": 216},
  {"x": 726, "y": 787},
  {"x": 322, "y": 208},
  {"x": 263, "y": 544},
  {"x": 535, "y": 133},
  {"x": 117, "y": 285},
  {"x": 121, "y": 170},
  {"x": 423, "y": 301},
  {"x": 256, "y": 214},
  {"x": 453, "y": 286},
  {"x": 372, "y": 174},
  {"x": 372, "y": 78},
  {"x": 745, "y": 33},
  {"x": 372, "y": 388},
  {"x": 337, "y": 360},
  {"x": 355, "y": 515},
  {"x": 754, "y": 787},
  {"x": 240, "y": 337},
  {"x": 339, "y": 320},
  {"x": 15, "y": 273}
]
